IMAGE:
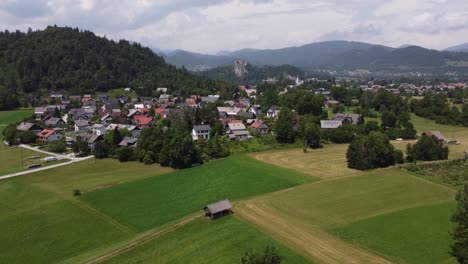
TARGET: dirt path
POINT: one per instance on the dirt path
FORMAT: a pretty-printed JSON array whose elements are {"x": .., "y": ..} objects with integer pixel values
[
  {"x": 141, "y": 240},
  {"x": 312, "y": 241}
]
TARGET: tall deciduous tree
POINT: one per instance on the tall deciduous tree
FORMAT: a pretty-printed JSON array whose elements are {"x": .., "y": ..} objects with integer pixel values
[{"x": 284, "y": 129}]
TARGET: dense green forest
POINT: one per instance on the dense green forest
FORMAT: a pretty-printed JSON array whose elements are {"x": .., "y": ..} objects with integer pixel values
[
  {"x": 255, "y": 74},
  {"x": 77, "y": 61}
]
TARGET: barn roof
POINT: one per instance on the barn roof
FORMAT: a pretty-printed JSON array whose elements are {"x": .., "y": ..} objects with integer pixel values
[{"x": 219, "y": 206}]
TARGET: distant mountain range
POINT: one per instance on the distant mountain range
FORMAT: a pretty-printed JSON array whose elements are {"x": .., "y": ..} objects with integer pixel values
[
  {"x": 459, "y": 48},
  {"x": 334, "y": 55}
]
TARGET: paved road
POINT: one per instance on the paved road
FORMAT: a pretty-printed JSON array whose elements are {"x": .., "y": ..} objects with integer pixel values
[{"x": 58, "y": 156}]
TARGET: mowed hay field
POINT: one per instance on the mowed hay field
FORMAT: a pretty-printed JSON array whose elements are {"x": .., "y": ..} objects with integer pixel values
[
  {"x": 204, "y": 241},
  {"x": 326, "y": 163},
  {"x": 156, "y": 201},
  {"x": 304, "y": 217},
  {"x": 41, "y": 222}
]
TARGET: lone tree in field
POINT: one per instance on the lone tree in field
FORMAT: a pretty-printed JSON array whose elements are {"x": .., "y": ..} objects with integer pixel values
[
  {"x": 370, "y": 152},
  {"x": 270, "y": 256},
  {"x": 459, "y": 248}
]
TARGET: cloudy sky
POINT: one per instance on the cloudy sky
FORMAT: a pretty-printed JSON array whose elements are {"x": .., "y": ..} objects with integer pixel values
[{"x": 208, "y": 26}]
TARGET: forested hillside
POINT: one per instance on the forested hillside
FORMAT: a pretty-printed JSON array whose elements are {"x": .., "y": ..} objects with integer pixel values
[
  {"x": 67, "y": 59},
  {"x": 254, "y": 74}
]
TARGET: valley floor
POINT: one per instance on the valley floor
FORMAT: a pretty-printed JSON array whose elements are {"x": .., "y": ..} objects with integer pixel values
[{"x": 310, "y": 206}]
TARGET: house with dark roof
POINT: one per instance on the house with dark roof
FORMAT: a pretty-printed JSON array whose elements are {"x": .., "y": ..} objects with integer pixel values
[
  {"x": 54, "y": 121},
  {"x": 201, "y": 131},
  {"x": 81, "y": 125},
  {"x": 218, "y": 209},
  {"x": 128, "y": 142},
  {"x": 349, "y": 119},
  {"x": 26, "y": 126}
]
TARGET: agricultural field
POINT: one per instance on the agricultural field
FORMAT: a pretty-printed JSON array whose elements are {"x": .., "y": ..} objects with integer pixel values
[
  {"x": 221, "y": 241},
  {"x": 304, "y": 217},
  {"x": 41, "y": 222},
  {"x": 426, "y": 236},
  {"x": 325, "y": 163},
  {"x": 156, "y": 201},
  {"x": 13, "y": 116}
]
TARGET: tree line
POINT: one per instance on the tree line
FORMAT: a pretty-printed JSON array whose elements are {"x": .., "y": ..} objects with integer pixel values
[{"x": 78, "y": 61}]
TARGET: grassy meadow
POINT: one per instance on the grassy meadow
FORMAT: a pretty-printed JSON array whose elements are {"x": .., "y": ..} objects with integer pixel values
[
  {"x": 301, "y": 217},
  {"x": 41, "y": 222},
  {"x": 326, "y": 163},
  {"x": 414, "y": 235},
  {"x": 13, "y": 116},
  {"x": 156, "y": 201},
  {"x": 204, "y": 241}
]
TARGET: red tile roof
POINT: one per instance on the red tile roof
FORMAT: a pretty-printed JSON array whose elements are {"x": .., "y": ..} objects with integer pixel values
[
  {"x": 144, "y": 120},
  {"x": 256, "y": 124},
  {"x": 190, "y": 101},
  {"x": 46, "y": 133}
]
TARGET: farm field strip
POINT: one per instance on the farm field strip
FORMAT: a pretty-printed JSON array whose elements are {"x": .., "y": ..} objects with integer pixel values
[
  {"x": 310, "y": 240},
  {"x": 301, "y": 217},
  {"x": 141, "y": 240}
]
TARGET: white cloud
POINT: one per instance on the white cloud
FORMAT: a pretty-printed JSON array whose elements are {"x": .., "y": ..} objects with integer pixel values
[{"x": 212, "y": 25}]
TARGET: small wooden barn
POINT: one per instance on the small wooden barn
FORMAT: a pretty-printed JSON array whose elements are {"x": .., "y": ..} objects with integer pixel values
[{"x": 218, "y": 209}]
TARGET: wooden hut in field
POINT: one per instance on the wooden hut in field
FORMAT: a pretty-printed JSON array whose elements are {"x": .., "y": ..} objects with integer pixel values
[{"x": 218, "y": 209}]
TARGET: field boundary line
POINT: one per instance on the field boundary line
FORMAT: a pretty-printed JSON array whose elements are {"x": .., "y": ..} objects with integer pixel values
[
  {"x": 103, "y": 216},
  {"x": 142, "y": 240}
]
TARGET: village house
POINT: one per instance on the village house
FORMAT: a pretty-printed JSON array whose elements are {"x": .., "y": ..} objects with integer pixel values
[
  {"x": 54, "y": 122},
  {"x": 98, "y": 129},
  {"x": 40, "y": 111},
  {"x": 48, "y": 135},
  {"x": 349, "y": 119},
  {"x": 256, "y": 110},
  {"x": 273, "y": 112},
  {"x": 237, "y": 131},
  {"x": 129, "y": 142},
  {"x": 92, "y": 140},
  {"x": 164, "y": 98},
  {"x": 201, "y": 131},
  {"x": 81, "y": 125},
  {"x": 330, "y": 124},
  {"x": 260, "y": 126},
  {"x": 143, "y": 121},
  {"x": 26, "y": 126}
]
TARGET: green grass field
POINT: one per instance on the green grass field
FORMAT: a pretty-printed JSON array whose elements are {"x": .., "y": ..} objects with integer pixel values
[
  {"x": 155, "y": 201},
  {"x": 37, "y": 226},
  {"x": 13, "y": 116},
  {"x": 415, "y": 235},
  {"x": 41, "y": 222},
  {"x": 204, "y": 241},
  {"x": 308, "y": 211}
]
